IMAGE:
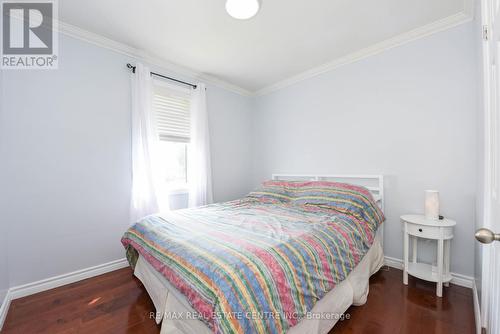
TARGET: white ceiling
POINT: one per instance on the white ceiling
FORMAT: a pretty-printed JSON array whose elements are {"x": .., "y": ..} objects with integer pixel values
[{"x": 286, "y": 38}]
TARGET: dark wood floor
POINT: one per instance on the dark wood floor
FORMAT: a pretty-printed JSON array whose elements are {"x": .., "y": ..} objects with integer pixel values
[{"x": 117, "y": 303}]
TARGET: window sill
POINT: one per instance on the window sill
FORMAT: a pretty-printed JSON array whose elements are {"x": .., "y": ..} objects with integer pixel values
[{"x": 178, "y": 192}]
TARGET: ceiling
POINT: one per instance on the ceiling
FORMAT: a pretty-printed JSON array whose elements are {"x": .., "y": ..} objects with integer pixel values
[{"x": 285, "y": 39}]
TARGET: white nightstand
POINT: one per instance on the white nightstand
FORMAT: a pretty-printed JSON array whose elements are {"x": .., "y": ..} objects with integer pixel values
[{"x": 417, "y": 226}]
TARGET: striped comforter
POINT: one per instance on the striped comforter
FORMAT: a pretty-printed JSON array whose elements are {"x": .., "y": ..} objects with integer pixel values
[{"x": 250, "y": 266}]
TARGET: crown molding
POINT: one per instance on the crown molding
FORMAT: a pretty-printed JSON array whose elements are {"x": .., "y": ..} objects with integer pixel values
[
  {"x": 412, "y": 35},
  {"x": 451, "y": 21},
  {"x": 122, "y": 48}
]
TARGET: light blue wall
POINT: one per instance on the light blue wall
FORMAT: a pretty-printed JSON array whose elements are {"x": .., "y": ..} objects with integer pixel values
[
  {"x": 230, "y": 121},
  {"x": 230, "y": 141},
  {"x": 66, "y": 162},
  {"x": 65, "y": 169},
  {"x": 4, "y": 268},
  {"x": 409, "y": 113}
]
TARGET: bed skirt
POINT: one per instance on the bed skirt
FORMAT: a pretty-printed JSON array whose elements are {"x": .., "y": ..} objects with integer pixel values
[{"x": 179, "y": 317}]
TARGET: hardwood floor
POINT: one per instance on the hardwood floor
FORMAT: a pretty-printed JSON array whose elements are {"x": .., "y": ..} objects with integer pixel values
[
  {"x": 118, "y": 303},
  {"x": 395, "y": 308}
]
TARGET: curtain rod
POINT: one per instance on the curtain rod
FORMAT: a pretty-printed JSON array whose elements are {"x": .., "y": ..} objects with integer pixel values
[{"x": 164, "y": 77}]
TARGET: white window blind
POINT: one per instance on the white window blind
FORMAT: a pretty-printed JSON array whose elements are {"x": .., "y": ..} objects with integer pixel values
[{"x": 171, "y": 107}]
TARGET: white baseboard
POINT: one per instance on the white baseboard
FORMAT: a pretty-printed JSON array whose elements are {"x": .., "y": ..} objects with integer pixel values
[
  {"x": 4, "y": 308},
  {"x": 393, "y": 262},
  {"x": 457, "y": 279},
  {"x": 477, "y": 308},
  {"x": 57, "y": 281}
]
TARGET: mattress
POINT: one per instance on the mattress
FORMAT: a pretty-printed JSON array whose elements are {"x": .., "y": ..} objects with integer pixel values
[{"x": 177, "y": 316}]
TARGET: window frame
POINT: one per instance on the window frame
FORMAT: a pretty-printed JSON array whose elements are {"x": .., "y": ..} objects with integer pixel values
[{"x": 184, "y": 189}]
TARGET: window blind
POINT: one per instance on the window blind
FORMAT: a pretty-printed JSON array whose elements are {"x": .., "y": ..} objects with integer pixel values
[{"x": 171, "y": 107}]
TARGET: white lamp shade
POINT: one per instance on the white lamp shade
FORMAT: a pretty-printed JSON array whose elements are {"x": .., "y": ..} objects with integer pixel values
[
  {"x": 432, "y": 204},
  {"x": 242, "y": 9}
]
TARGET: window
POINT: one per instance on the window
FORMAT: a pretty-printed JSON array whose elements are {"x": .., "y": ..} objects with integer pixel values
[{"x": 171, "y": 108}]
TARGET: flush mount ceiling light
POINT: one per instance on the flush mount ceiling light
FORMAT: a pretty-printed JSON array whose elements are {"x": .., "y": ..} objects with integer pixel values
[{"x": 242, "y": 9}]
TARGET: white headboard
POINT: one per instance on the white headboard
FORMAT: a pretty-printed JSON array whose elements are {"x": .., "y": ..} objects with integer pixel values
[{"x": 374, "y": 183}]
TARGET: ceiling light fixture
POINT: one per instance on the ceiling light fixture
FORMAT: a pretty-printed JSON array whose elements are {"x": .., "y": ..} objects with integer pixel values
[{"x": 242, "y": 9}]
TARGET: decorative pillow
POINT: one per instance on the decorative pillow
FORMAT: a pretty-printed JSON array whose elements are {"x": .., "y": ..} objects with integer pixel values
[
  {"x": 271, "y": 192},
  {"x": 342, "y": 197}
]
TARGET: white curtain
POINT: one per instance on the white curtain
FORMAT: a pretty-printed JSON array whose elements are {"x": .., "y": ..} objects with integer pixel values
[
  {"x": 199, "y": 166},
  {"x": 144, "y": 146}
]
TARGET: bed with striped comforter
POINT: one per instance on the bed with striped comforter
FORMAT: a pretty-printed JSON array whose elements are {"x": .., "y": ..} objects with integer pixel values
[{"x": 259, "y": 264}]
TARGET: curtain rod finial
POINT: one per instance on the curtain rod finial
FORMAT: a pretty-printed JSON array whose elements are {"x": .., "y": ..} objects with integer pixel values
[{"x": 131, "y": 67}]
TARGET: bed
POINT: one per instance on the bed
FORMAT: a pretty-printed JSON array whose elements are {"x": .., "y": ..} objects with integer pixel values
[{"x": 291, "y": 257}]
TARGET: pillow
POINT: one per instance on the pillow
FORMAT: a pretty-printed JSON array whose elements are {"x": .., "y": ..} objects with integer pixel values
[
  {"x": 341, "y": 197},
  {"x": 271, "y": 192}
]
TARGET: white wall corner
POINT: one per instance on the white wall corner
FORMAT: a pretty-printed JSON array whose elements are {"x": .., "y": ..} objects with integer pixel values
[
  {"x": 457, "y": 279},
  {"x": 477, "y": 308},
  {"x": 4, "y": 308}
]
